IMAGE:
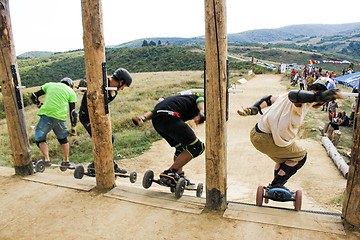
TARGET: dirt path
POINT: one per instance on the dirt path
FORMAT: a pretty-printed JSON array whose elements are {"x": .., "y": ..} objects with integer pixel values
[{"x": 38, "y": 211}]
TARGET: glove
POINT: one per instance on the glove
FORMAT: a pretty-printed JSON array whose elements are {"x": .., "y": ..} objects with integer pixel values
[
  {"x": 72, "y": 132},
  {"x": 34, "y": 99},
  {"x": 250, "y": 111},
  {"x": 138, "y": 121},
  {"x": 329, "y": 95}
]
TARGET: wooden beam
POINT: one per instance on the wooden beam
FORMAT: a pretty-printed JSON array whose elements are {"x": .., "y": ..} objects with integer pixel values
[
  {"x": 94, "y": 48},
  {"x": 13, "y": 102},
  {"x": 351, "y": 205},
  {"x": 215, "y": 93}
]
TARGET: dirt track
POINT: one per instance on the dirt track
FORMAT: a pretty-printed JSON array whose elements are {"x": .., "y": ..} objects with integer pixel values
[{"x": 38, "y": 211}]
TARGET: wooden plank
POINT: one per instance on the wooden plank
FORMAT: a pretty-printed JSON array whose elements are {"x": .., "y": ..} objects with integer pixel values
[
  {"x": 62, "y": 181},
  {"x": 158, "y": 199},
  {"x": 286, "y": 218}
]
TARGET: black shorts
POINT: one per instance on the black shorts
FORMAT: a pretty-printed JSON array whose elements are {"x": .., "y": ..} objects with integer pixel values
[{"x": 173, "y": 130}]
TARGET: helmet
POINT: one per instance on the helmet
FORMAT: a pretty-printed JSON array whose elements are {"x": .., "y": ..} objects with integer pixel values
[
  {"x": 68, "y": 81},
  {"x": 322, "y": 84},
  {"x": 123, "y": 74}
]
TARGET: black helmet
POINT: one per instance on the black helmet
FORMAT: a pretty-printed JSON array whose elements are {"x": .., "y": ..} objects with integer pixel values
[
  {"x": 123, "y": 74},
  {"x": 68, "y": 81}
]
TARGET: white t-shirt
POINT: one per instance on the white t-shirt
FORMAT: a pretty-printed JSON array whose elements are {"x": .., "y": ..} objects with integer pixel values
[{"x": 283, "y": 120}]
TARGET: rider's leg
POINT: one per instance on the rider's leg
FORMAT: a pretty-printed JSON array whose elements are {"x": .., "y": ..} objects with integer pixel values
[{"x": 285, "y": 170}]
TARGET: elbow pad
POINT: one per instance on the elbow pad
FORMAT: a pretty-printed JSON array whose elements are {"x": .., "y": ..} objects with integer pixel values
[
  {"x": 73, "y": 117},
  {"x": 299, "y": 96},
  {"x": 266, "y": 99},
  {"x": 34, "y": 99}
]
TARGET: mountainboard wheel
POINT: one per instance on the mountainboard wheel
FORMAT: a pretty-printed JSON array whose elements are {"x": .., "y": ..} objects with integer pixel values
[
  {"x": 298, "y": 199},
  {"x": 259, "y": 196},
  {"x": 199, "y": 189},
  {"x": 63, "y": 168},
  {"x": 79, "y": 172},
  {"x": 40, "y": 166},
  {"x": 133, "y": 177},
  {"x": 266, "y": 200},
  {"x": 180, "y": 187},
  {"x": 148, "y": 178}
]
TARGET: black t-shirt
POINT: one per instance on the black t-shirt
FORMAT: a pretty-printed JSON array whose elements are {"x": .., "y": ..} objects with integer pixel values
[{"x": 184, "y": 105}]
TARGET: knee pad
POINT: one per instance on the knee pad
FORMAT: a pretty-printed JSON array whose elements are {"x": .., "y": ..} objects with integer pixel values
[
  {"x": 289, "y": 171},
  {"x": 179, "y": 149},
  {"x": 195, "y": 149},
  {"x": 38, "y": 142},
  {"x": 63, "y": 141}
]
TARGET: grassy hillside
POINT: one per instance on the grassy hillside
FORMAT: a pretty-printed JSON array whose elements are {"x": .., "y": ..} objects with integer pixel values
[
  {"x": 130, "y": 141},
  {"x": 37, "y": 71}
]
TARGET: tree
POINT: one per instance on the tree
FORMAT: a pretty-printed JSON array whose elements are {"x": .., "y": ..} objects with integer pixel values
[
  {"x": 152, "y": 43},
  {"x": 145, "y": 44},
  {"x": 159, "y": 43}
]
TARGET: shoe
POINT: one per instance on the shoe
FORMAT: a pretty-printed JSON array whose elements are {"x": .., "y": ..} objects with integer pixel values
[
  {"x": 187, "y": 181},
  {"x": 119, "y": 170},
  {"x": 47, "y": 162},
  {"x": 65, "y": 164},
  {"x": 170, "y": 174},
  {"x": 91, "y": 168}
]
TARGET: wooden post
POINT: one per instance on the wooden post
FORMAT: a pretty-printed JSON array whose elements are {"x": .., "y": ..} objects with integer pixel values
[
  {"x": 14, "y": 108},
  {"x": 94, "y": 48},
  {"x": 215, "y": 84},
  {"x": 351, "y": 205}
]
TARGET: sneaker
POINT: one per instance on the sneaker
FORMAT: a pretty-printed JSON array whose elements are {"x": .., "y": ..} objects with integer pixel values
[
  {"x": 47, "y": 162},
  {"x": 187, "y": 181},
  {"x": 65, "y": 164},
  {"x": 170, "y": 174},
  {"x": 120, "y": 170},
  {"x": 91, "y": 168}
]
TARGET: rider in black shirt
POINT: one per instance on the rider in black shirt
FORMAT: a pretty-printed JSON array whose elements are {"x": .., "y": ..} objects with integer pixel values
[{"x": 168, "y": 118}]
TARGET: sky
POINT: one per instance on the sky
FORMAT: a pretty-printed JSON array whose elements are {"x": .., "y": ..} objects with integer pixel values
[{"x": 54, "y": 25}]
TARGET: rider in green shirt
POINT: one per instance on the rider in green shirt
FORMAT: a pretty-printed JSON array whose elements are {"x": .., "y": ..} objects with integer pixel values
[{"x": 60, "y": 97}]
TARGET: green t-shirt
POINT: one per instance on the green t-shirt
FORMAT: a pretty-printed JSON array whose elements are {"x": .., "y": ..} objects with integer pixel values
[{"x": 57, "y": 99}]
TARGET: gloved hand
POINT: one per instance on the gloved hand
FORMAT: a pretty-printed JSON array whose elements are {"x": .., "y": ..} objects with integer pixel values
[
  {"x": 329, "y": 95},
  {"x": 248, "y": 111},
  {"x": 72, "y": 131},
  {"x": 138, "y": 121}
]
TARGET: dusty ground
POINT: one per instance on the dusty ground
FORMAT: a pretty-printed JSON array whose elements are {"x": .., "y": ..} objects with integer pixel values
[{"x": 32, "y": 210}]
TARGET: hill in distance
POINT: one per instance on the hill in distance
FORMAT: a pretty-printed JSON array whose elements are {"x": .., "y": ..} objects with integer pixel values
[{"x": 327, "y": 38}]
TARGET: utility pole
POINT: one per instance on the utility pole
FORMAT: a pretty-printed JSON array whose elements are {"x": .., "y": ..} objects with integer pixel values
[
  {"x": 13, "y": 101},
  {"x": 351, "y": 204},
  {"x": 215, "y": 93},
  {"x": 94, "y": 48}
]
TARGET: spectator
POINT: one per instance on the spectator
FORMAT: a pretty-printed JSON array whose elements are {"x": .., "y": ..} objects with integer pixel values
[
  {"x": 342, "y": 121},
  {"x": 332, "y": 109}
]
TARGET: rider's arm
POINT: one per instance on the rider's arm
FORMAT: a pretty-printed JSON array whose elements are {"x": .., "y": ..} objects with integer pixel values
[
  {"x": 264, "y": 102},
  {"x": 73, "y": 118},
  {"x": 301, "y": 96},
  {"x": 35, "y": 96}
]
